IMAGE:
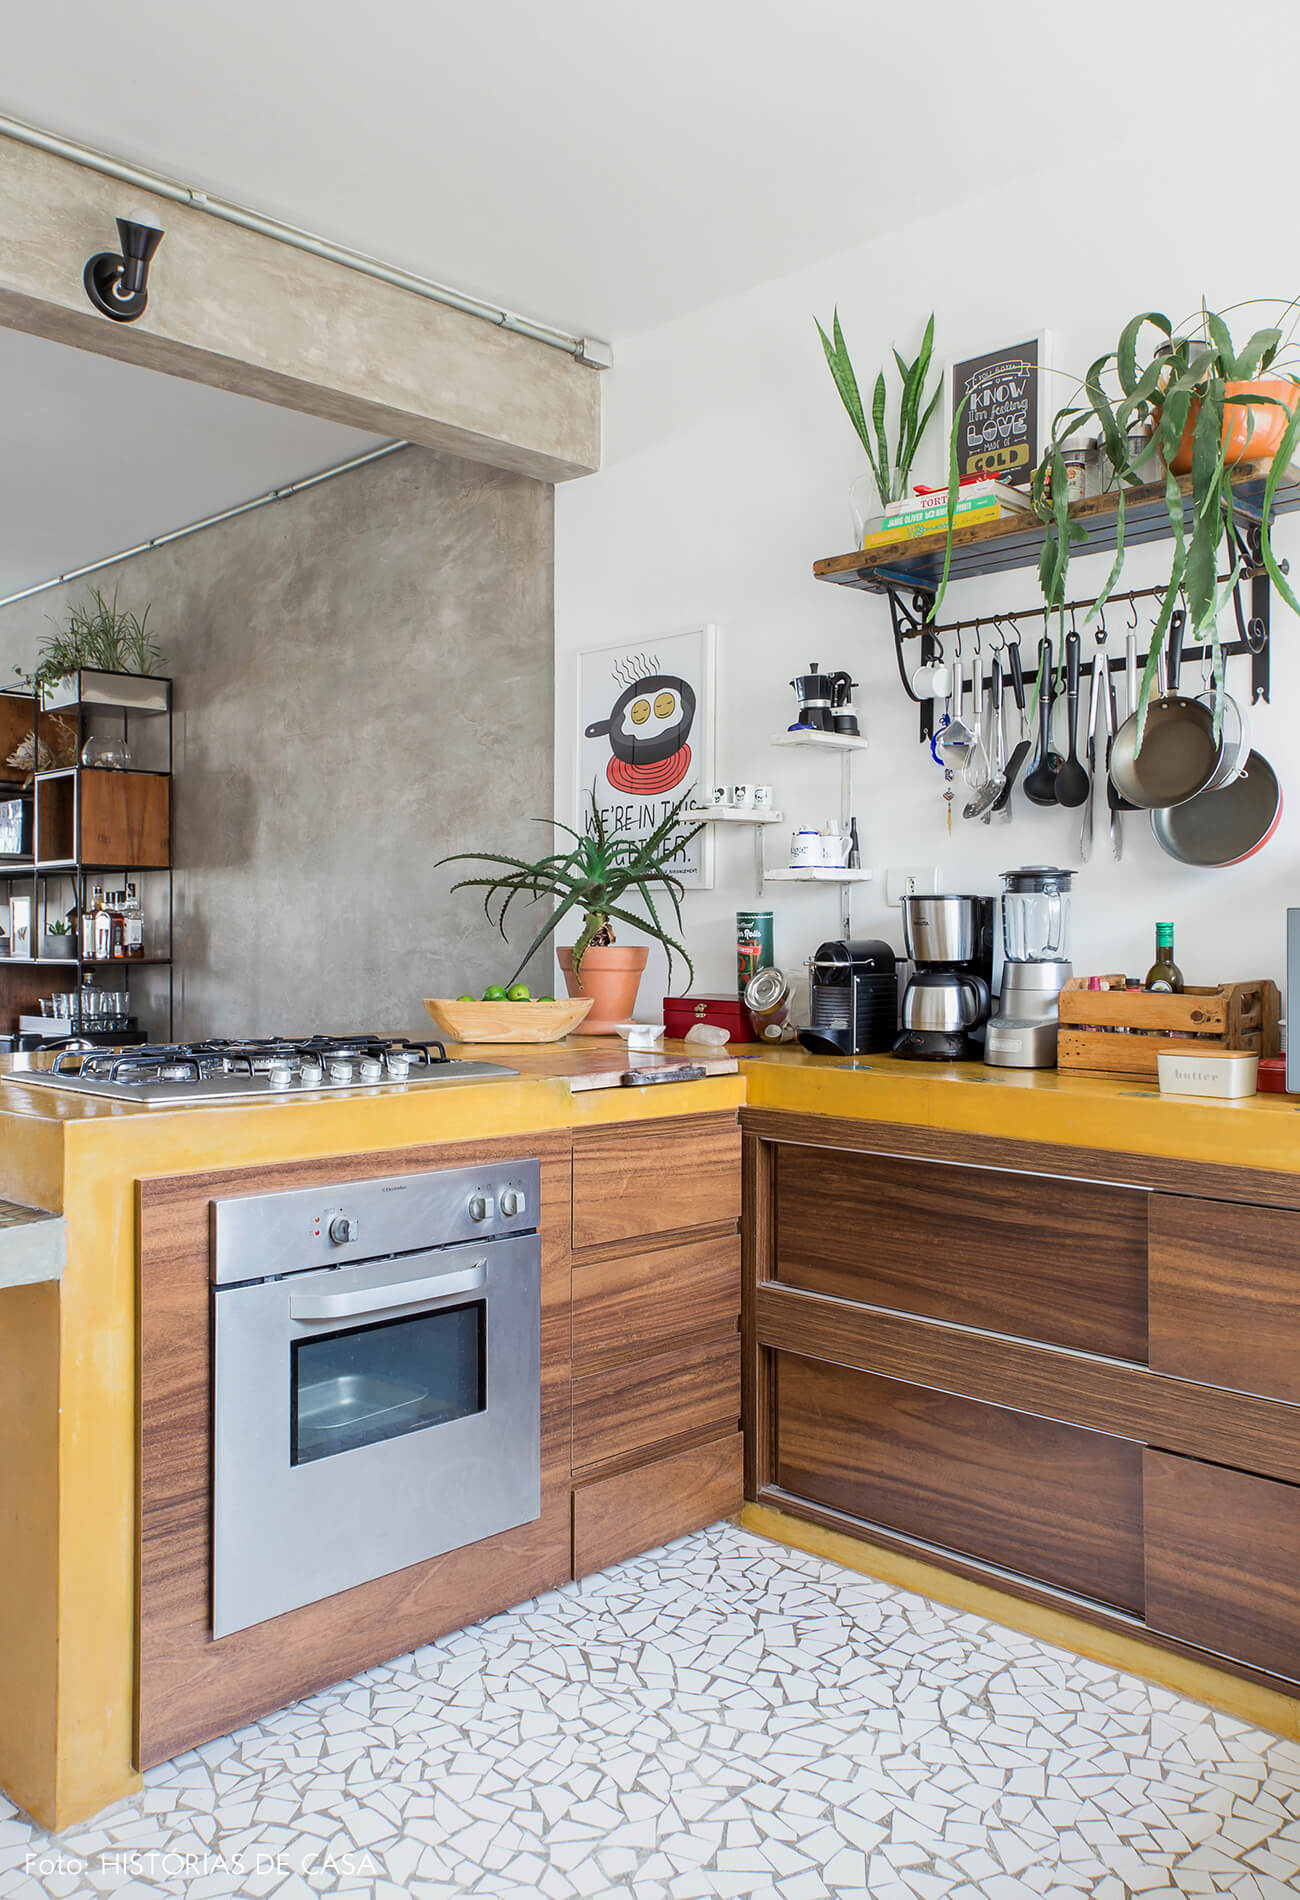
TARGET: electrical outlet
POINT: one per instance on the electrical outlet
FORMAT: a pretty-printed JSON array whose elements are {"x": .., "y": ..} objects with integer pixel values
[{"x": 910, "y": 880}]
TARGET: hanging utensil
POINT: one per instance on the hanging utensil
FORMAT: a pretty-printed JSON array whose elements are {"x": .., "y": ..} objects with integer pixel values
[
  {"x": 988, "y": 794},
  {"x": 1090, "y": 749},
  {"x": 956, "y": 735},
  {"x": 1040, "y": 780},
  {"x": 1180, "y": 752},
  {"x": 975, "y": 773},
  {"x": 1020, "y": 752},
  {"x": 1072, "y": 781},
  {"x": 1114, "y": 802},
  {"x": 1226, "y": 826}
]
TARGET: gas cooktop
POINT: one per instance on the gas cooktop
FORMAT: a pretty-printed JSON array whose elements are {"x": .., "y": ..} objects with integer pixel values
[{"x": 271, "y": 1068}]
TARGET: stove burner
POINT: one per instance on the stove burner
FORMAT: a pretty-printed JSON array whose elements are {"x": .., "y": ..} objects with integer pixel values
[{"x": 285, "y": 1061}]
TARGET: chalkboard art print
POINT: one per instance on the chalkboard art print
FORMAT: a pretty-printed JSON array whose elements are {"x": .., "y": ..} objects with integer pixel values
[
  {"x": 645, "y": 736},
  {"x": 1003, "y": 422}
]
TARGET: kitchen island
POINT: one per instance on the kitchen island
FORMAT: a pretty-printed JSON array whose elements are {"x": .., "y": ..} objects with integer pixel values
[{"x": 1006, "y": 1281}]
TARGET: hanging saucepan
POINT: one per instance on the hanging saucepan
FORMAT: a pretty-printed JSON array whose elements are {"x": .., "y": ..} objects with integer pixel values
[
  {"x": 1225, "y": 826},
  {"x": 1180, "y": 753}
]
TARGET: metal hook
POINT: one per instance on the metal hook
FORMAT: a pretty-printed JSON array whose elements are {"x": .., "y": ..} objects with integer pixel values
[{"x": 1133, "y": 609}]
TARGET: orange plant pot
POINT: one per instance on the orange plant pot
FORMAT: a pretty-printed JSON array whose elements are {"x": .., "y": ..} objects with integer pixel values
[
  {"x": 1251, "y": 432},
  {"x": 611, "y": 976}
]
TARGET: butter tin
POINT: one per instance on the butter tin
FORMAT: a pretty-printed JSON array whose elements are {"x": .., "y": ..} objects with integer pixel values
[{"x": 1221, "y": 1075}]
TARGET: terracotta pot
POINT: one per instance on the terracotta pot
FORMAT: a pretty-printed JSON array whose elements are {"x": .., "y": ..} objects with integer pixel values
[
  {"x": 1251, "y": 433},
  {"x": 611, "y": 976}
]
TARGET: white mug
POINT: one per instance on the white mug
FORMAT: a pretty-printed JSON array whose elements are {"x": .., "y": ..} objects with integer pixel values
[
  {"x": 742, "y": 797},
  {"x": 835, "y": 850},
  {"x": 762, "y": 798},
  {"x": 717, "y": 795},
  {"x": 933, "y": 682}
]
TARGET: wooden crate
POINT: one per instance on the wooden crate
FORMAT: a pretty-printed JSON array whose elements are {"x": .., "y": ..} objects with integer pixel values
[{"x": 1121, "y": 1032}]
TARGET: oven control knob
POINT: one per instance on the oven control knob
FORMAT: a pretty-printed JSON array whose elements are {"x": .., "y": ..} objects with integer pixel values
[
  {"x": 344, "y": 1227},
  {"x": 513, "y": 1203},
  {"x": 481, "y": 1207}
]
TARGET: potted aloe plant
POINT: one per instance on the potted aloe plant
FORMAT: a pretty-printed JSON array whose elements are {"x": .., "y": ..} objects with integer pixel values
[
  {"x": 1209, "y": 407},
  {"x": 890, "y": 475},
  {"x": 604, "y": 879}
]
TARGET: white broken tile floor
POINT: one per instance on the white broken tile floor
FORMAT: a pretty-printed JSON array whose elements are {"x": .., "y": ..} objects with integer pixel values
[{"x": 722, "y": 1717}]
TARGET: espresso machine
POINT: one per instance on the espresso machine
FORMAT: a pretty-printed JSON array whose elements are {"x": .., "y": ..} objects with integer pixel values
[
  {"x": 947, "y": 999},
  {"x": 1035, "y": 948},
  {"x": 852, "y": 998}
]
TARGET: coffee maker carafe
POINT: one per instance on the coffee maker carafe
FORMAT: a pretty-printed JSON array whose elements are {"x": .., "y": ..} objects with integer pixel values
[
  {"x": 947, "y": 999},
  {"x": 815, "y": 692},
  {"x": 1035, "y": 946}
]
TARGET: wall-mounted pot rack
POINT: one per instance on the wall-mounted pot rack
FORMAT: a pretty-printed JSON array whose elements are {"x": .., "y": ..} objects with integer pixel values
[{"x": 908, "y": 575}]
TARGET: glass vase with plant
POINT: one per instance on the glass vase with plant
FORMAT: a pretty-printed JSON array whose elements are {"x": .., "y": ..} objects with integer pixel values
[
  {"x": 604, "y": 879},
  {"x": 1206, "y": 407},
  {"x": 889, "y": 475}
]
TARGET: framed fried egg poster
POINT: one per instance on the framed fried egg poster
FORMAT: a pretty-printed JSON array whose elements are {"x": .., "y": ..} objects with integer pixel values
[
  {"x": 1004, "y": 424},
  {"x": 645, "y": 738}
]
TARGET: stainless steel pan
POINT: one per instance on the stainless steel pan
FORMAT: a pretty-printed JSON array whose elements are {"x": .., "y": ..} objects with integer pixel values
[
  {"x": 1225, "y": 826},
  {"x": 1180, "y": 753}
]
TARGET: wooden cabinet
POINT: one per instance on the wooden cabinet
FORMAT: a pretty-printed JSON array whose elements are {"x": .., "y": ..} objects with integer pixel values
[
  {"x": 1225, "y": 1295},
  {"x": 650, "y": 1178},
  {"x": 1223, "y": 1561},
  {"x": 1042, "y": 1498},
  {"x": 1074, "y": 1375},
  {"x": 113, "y": 819},
  {"x": 656, "y": 1447},
  {"x": 1043, "y": 1258}
]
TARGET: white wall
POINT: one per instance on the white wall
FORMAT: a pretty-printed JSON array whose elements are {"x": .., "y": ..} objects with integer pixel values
[{"x": 727, "y": 464}]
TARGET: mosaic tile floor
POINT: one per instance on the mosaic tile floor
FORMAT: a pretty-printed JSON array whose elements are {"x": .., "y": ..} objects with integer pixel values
[{"x": 723, "y": 1717}]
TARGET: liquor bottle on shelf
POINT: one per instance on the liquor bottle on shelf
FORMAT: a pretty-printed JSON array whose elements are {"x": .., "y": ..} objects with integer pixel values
[
  {"x": 87, "y": 921},
  {"x": 1164, "y": 973},
  {"x": 132, "y": 922}
]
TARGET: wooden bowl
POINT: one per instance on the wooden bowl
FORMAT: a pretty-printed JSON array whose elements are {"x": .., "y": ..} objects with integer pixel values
[{"x": 507, "y": 1022}]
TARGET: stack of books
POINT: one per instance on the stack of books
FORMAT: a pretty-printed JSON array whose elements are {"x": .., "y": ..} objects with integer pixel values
[{"x": 927, "y": 512}]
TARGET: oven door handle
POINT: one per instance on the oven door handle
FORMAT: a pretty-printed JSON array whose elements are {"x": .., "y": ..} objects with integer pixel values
[{"x": 383, "y": 1299}]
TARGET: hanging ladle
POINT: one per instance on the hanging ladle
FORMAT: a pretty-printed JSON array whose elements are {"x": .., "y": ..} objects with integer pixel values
[
  {"x": 1040, "y": 781},
  {"x": 1072, "y": 782}
]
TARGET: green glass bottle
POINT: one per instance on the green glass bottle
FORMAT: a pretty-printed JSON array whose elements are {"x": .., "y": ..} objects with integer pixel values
[{"x": 1164, "y": 973}]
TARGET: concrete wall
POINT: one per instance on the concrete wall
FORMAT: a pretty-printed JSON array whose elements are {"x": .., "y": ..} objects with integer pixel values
[{"x": 364, "y": 683}]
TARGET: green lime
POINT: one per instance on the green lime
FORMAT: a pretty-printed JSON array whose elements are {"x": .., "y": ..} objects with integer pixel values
[
  {"x": 494, "y": 994},
  {"x": 543, "y": 999},
  {"x": 519, "y": 993},
  {"x": 467, "y": 998}
]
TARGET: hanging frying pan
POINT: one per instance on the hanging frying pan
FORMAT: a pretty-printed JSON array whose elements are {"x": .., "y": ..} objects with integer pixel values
[
  {"x": 1180, "y": 753},
  {"x": 1226, "y": 826}
]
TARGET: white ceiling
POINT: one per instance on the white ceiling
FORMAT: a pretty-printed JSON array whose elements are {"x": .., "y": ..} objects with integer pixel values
[
  {"x": 97, "y": 456},
  {"x": 604, "y": 165}
]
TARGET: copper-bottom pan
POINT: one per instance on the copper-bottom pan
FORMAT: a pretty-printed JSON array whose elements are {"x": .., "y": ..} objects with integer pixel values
[{"x": 1226, "y": 826}]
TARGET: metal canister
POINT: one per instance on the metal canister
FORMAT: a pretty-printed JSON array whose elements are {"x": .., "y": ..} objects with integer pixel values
[
  {"x": 754, "y": 941},
  {"x": 768, "y": 997}
]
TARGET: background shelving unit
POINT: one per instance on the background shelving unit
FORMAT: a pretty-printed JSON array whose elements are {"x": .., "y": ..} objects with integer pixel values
[{"x": 91, "y": 825}]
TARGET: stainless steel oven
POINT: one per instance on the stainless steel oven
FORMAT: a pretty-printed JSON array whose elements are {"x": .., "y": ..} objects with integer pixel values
[{"x": 376, "y": 1380}]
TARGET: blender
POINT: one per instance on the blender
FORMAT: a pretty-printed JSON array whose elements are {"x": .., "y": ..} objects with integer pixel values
[{"x": 1035, "y": 943}]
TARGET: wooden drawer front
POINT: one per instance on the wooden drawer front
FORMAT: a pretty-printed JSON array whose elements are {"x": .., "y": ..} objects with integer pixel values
[
  {"x": 1059, "y": 1261},
  {"x": 638, "y": 1510},
  {"x": 655, "y": 1178},
  {"x": 1223, "y": 1560},
  {"x": 622, "y": 1308},
  {"x": 1050, "y": 1501},
  {"x": 1225, "y": 1295},
  {"x": 661, "y": 1395}
]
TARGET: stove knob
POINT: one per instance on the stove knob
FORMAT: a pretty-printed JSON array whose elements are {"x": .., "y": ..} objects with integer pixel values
[
  {"x": 481, "y": 1207},
  {"x": 513, "y": 1203},
  {"x": 344, "y": 1227}
]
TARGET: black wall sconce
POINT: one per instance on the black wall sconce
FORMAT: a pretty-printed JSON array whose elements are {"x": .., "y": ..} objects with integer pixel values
[{"x": 118, "y": 283}]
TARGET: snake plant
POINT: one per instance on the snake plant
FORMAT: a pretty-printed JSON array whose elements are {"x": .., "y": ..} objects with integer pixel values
[
  {"x": 913, "y": 418},
  {"x": 601, "y": 876},
  {"x": 1182, "y": 378}
]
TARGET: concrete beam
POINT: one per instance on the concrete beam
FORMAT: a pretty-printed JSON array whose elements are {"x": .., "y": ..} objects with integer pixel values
[{"x": 240, "y": 311}]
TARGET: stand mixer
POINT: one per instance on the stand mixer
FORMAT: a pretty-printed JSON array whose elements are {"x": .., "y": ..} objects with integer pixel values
[{"x": 1035, "y": 940}]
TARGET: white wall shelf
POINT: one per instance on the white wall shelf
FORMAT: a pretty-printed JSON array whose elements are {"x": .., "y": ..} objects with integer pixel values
[
  {"x": 822, "y": 741},
  {"x": 732, "y": 815},
  {"x": 817, "y": 874}
]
